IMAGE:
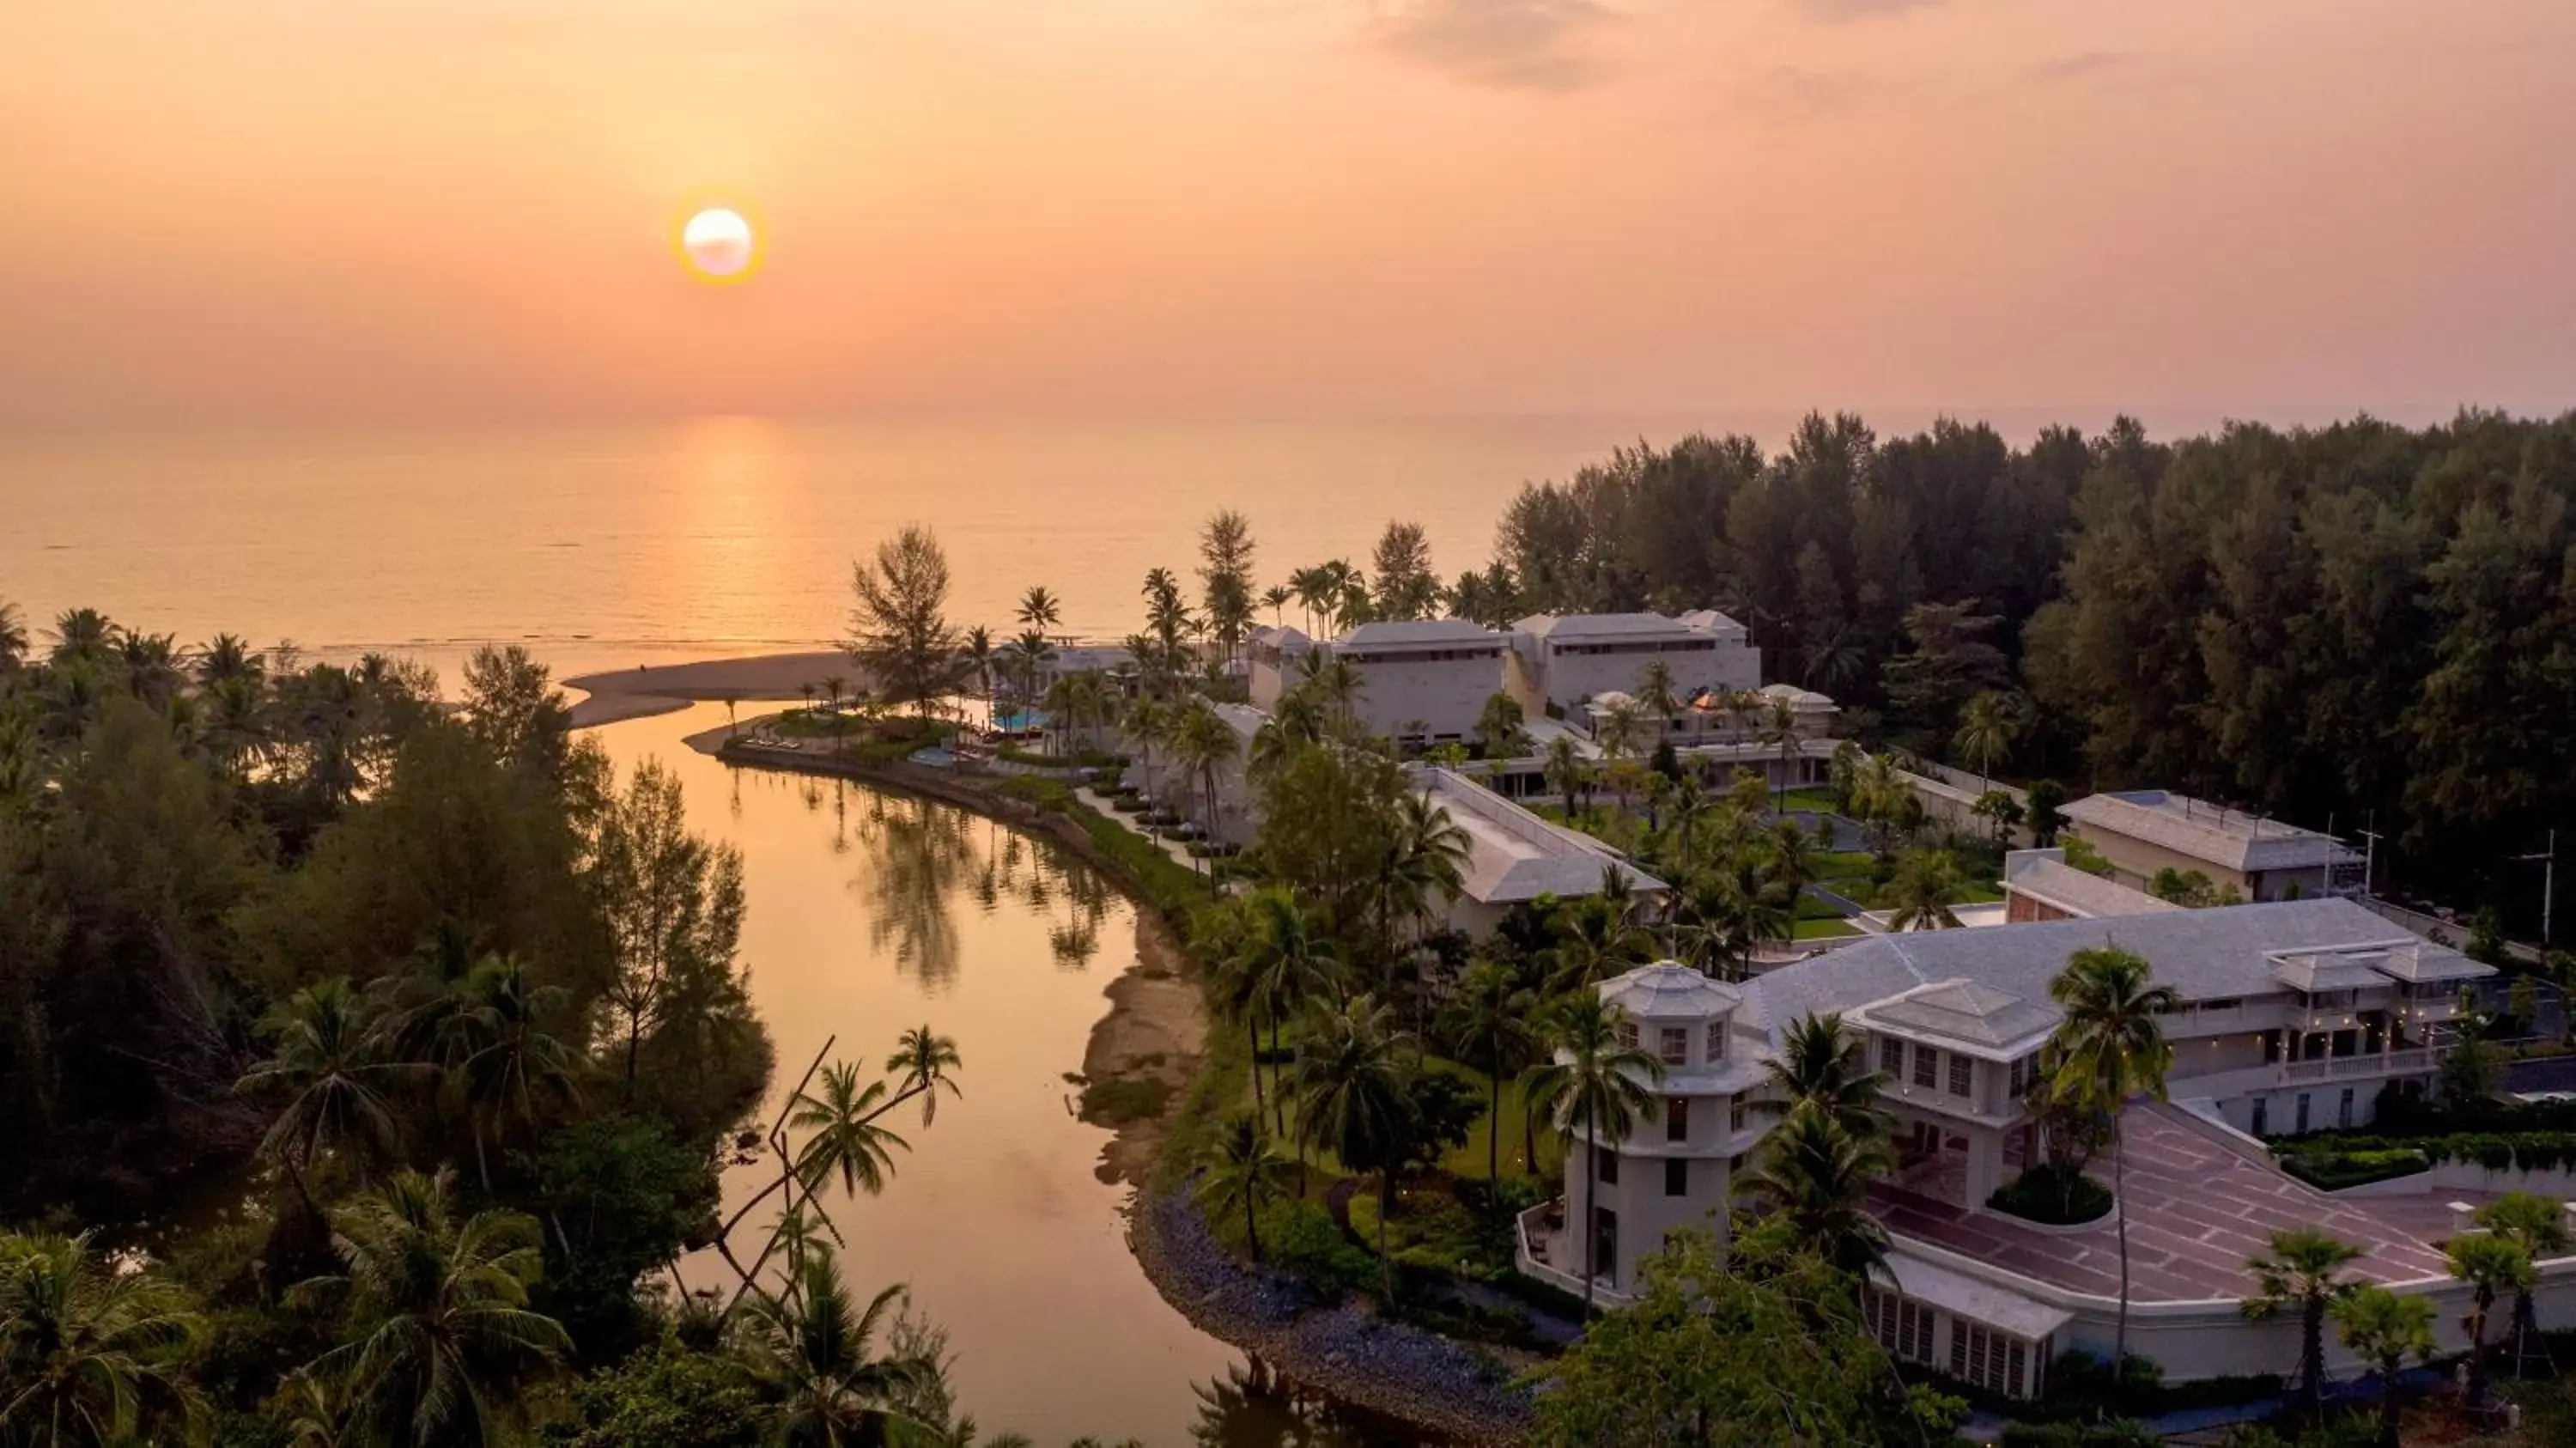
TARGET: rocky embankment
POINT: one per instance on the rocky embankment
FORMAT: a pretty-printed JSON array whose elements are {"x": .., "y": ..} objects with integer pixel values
[{"x": 1387, "y": 1367}]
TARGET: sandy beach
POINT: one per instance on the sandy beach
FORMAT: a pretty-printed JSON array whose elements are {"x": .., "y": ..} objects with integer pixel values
[{"x": 651, "y": 689}]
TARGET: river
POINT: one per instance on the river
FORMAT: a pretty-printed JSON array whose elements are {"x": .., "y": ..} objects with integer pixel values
[{"x": 872, "y": 912}]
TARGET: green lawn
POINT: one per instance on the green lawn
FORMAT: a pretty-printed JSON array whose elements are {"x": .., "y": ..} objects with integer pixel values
[
  {"x": 1810, "y": 797},
  {"x": 1981, "y": 895},
  {"x": 1844, "y": 862},
  {"x": 1821, "y": 930},
  {"x": 1463, "y": 1161}
]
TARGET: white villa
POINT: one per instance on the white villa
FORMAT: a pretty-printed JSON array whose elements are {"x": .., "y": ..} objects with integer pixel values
[
  {"x": 2295, "y": 1014},
  {"x": 1559, "y": 662},
  {"x": 1421, "y": 683},
  {"x": 1514, "y": 856},
  {"x": 2040, "y": 885},
  {"x": 2141, "y": 831}
]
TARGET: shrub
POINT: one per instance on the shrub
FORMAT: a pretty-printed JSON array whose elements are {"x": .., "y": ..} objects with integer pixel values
[
  {"x": 1302, "y": 1240},
  {"x": 1049, "y": 794},
  {"x": 2334, "y": 1170},
  {"x": 1121, "y": 1099},
  {"x": 2042, "y": 1195}
]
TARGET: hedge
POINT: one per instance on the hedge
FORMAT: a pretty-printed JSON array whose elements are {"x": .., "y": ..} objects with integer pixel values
[
  {"x": 2335, "y": 1170},
  {"x": 2494, "y": 1150}
]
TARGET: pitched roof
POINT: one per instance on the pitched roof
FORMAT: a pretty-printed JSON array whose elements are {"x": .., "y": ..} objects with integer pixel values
[
  {"x": 2045, "y": 876},
  {"x": 1418, "y": 631},
  {"x": 1669, "y": 988},
  {"x": 2211, "y": 954},
  {"x": 1514, "y": 855},
  {"x": 1598, "y": 625},
  {"x": 2204, "y": 831},
  {"x": 1963, "y": 1010}
]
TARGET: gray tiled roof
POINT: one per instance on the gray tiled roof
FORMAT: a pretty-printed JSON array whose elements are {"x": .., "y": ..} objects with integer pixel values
[
  {"x": 1514, "y": 855},
  {"x": 1418, "y": 631},
  {"x": 2316, "y": 971},
  {"x": 1963, "y": 1010},
  {"x": 2045, "y": 875},
  {"x": 2203, "y": 954},
  {"x": 1598, "y": 625},
  {"x": 2206, "y": 831},
  {"x": 1669, "y": 988}
]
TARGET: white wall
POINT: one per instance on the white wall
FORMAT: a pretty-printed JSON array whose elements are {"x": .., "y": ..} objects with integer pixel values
[
  {"x": 1445, "y": 695},
  {"x": 1567, "y": 678}
]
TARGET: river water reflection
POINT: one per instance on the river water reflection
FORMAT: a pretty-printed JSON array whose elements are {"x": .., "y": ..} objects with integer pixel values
[{"x": 873, "y": 912}]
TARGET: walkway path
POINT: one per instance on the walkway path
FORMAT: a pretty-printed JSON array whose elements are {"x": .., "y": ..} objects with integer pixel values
[{"x": 1100, "y": 803}]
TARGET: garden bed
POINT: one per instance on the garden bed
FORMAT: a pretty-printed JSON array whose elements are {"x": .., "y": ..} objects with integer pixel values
[{"x": 2040, "y": 1197}]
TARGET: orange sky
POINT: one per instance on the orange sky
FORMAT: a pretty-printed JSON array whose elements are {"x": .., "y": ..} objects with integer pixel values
[{"x": 379, "y": 208}]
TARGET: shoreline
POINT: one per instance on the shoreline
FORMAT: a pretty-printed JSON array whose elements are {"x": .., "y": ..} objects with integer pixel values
[
  {"x": 616, "y": 695},
  {"x": 1428, "y": 1382}
]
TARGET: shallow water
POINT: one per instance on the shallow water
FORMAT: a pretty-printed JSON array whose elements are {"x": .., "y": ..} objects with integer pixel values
[{"x": 871, "y": 912}]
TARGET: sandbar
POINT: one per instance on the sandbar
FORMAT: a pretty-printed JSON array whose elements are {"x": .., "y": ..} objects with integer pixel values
[{"x": 649, "y": 689}]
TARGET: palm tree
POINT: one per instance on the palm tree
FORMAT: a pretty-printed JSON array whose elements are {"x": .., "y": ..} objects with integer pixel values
[
  {"x": 329, "y": 1061},
  {"x": 1620, "y": 726},
  {"x": 1490, "y": 1015},
  {"x": 2384, "y": 1330},
  {"x": 226, "y": 656},
  {"x": 83, "y": 633},
  {"x": 1148, "y": 721},
  {"x": 1817, "y": 1175},
  {"x": 1242, "y": 1170},
  {"x": 846, "y": 1140},
  {"x": 2109, "y": 1048},
  {"x": 1355, "y": 1100},
  {"x": 1780, "y": 730},
  {"x": 1039, "y": 609},
  {"x": 1205, "y": 743},
  {"x": 1684, "y": 810},
  {"x": 1654, "y": 692},
  {"x": 1565, "y": 772},
  {"x": 2304, "y": 1269},
  {"x": 1927, "y": 883},
  {"x": 979, "y": 656},
  {"x": 1597, "y": 1082},
  {"x": 506, "y": 1061},
  {"x": 1819, "y": 1067},
  {"x": 1987, "y": 728},
  {"x": 2490, "y": 1264},
  {"x": 1338, "y": 685},
  {"x": 89, "y": 1354},
  {"x": 13, "y": 637},
  {"x": 1594, "y": 935},
  {"x": 1426, "y": 866},
  {"x": 441, "y": 1339},
  {"x": 1277, "y": 598},
  {"x": 812, "y": 1353},
  {"x": 922, "y": 1061},
  {"x": 2540, "y": 1226},
  {"x": 1500, "y": 726}
]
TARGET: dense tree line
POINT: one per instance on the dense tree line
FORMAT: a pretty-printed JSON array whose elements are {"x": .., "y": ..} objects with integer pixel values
[{"x": 2364, "y": 620}]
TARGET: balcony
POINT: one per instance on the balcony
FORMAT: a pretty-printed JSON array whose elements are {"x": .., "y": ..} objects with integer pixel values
[
  {"x": 2345, "y": 1068},
  {"x": 1544, "y": 1249}
]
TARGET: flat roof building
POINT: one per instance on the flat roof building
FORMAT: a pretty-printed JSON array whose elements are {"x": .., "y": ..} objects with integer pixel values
[{"x": 2141, "y": 831}]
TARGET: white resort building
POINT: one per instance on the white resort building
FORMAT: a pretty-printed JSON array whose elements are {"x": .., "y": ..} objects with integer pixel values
[
  {"x": 2142, "y": 831},
  {"x": 2294, "y": 1016},
  {"x": 1421, "y": 683},
  {"x": 1559, "y": 662},
  {"x": 1514, "y": 856}
]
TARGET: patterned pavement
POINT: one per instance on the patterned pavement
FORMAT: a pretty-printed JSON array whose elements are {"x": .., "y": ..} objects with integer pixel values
[{"x": 2196, "y": 1212}]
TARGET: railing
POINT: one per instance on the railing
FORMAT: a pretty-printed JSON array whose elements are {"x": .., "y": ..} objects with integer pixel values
[{"x": 2393, "y": 1063}]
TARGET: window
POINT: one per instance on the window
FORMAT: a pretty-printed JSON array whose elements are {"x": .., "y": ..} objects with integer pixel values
[
  {"x": 1989, "y": 1359},
  {"x": 1677, "y": 1177},
  {"x": 2262, "y": 1115},
  {"x": 1891, "y": 1057},
  {"x": 2222, "y": 1003},
  {"x": 2025, "y": 1073},
  {"x": 1609, "y": 1167},
  {"x": 2302, "y": 1128},
  {"x": 1627, "y": 1035},
  {"x": 1901, "y": 1325},
  {"x": 2343, "y": 1113},
  {"x": 1963, "y": 1075},
  {"x": 1676, "y": 1118},
  {"x": 1716, "y": 1042},
  {"x": 1675, "y": 1045},
  {"x": 1735, "y": 1115},
  {"x": 1927, "y": 1067}
]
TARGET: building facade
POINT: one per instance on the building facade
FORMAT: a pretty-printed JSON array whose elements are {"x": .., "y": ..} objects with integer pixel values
[
  {"x": 2142, "y": 831},
  {"x": 1559, "y": 662}
]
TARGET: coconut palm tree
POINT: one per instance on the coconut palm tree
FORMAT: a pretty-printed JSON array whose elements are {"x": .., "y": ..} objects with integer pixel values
[
  {"x": 1243, "y": 1170},
  {"x": 979, "y": 656},
  {"x": 1781, "y": 729},
  {"x": 1500, "y": 727},
  {"x": 441, "y": 1342},
  {"x": 83, "y": 633},
  {"x": 226, "y": 656},
  {"x": 1988, "y": 725},
  {"x": 1039, "y": 609},
  {"x": 1594, "y": 940},
  {"x": 1927, "y": 883},
  {"x": 328, "y": 1059},
  {"x": 1277, "y": 598},
  {"x": 1337, "y": 685},
  {"x": 846, "y": 1141},
  {"x": 1426, "y": 870},
  {"x": 813, "y": 1354},
  {"x": 89, "y": 1355},
  {"x": 1565, "y": 773},
  {"x": 1622, "y": 725},
  {"x": 2304, "y": 1270},
  {"x": 2490, "y": 1264},
  {"x": 1205, "y": 743},
  {"x": 1686, "y": 808},
  {"x": 1820, "y": 1067},
  {"x": 1147, "y": 721},
  {"x": 1597, "y": 1083},
  {"x": 1285, "y": 964},
  {"x": 2384, "y": 1330},
  {"x": 2109, "y": 1048},
  {"x": 506, "y": 1061},
  {"x": 2540, "y": 1226},
  {"x": 1817, "y": 1175},
  {"x": 1654, "y": 691},
  {"x": 13, "y": 637},
  {"x": 1489, "y": 1015},
  {"x": 1355, "y": 1099},
  {"x": 922, "y": 1063}
]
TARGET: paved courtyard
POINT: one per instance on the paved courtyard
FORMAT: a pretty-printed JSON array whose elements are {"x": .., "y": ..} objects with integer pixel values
[{"x": 2196, "y": 1212}]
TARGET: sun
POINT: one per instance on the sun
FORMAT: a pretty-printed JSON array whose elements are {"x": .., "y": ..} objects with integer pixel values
[{"x": 719, "y": 244}]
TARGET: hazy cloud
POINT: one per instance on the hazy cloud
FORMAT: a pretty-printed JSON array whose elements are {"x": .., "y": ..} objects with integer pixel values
[
  {"x": 2076, "y": 66},
  {"x": 1540, "y": 45},
  {"x": 1789, "y": 93},
  {"x": 1860, "y": 9}
]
